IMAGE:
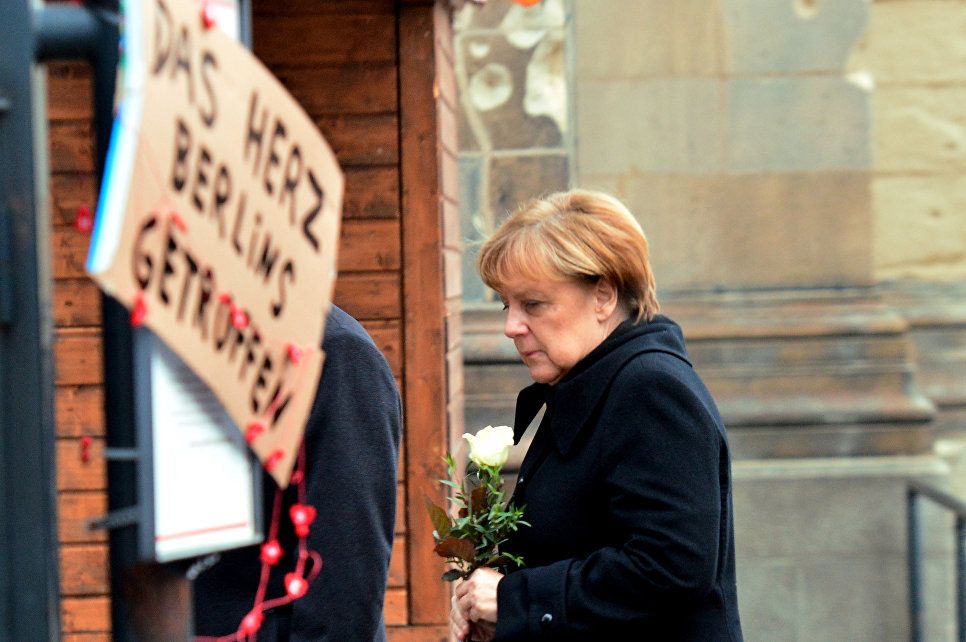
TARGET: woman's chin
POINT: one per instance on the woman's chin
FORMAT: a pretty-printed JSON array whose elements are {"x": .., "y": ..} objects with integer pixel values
[{"x": 542, "y": 375}]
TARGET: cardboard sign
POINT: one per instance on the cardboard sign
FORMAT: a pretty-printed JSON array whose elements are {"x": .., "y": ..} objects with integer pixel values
[{"x": 218, "y": 221}]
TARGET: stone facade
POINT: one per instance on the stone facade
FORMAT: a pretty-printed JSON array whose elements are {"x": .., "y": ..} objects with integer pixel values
[
  {"x": 915, "y": 52},
  {"x": 746, "y": 160},
  {"x": 798, "y": 168}
]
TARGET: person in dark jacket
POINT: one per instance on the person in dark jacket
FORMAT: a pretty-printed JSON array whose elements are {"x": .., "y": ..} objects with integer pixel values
[
  {"x": 351, "y": 441},
  {"x": 627, "y": 483}
]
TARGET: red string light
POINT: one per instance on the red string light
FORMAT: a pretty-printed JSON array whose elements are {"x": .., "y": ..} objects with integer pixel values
[
  {"x": 238, "y": 317},
  {"x": 207, "y": 17},
  {"x": 296, "y": 585},
  {"x": 296, "y": 582},
  {"x": 83, "y": 220},
  {"x": 179, "y": 222},
  {"x": 140, "y": 310},
  {"x": 251, "y": 622},
  {"x": 302, "y": 516},
  {"x": 271, "y": 552},
  {"x": 254, "y": 430},
  {"x": 272, "y": 460}
]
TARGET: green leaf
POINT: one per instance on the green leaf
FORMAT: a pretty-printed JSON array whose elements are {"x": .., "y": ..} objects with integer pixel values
[
  {"x": 453, "y": 574},
  {"x": 456, "y": 547},
  {"x": 440, "y": 519},
  {"x": 497, "y": 561}
]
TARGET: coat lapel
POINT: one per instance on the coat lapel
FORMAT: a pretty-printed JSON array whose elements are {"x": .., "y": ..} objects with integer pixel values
[{"x": 582, "y": 392}]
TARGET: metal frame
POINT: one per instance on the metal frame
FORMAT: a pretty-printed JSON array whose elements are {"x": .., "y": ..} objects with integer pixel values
[
  {"x": 29, "y": 603},
  {"x": 32, "y": 32},
  {"x": 915, "y": 492}
]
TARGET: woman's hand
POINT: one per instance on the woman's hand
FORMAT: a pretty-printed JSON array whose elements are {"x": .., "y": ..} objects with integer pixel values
[
  {"x": 459, "y": 626},
  {"x": 474, "y": 606}
]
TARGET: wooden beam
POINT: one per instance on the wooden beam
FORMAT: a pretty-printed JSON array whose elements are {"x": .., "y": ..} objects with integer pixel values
[{"x": 424, "y": 306}]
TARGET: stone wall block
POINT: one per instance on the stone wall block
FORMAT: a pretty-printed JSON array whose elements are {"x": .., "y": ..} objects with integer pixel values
[
  {"x": 768, "y": 230},
  {"x": 767, "y": 596},
  {"x": 816, "y": 123},
  {"x": 821, "y": 549},
  {"x": 601, "y": 55},
  {"x": 681, "y": 38},
  {"x": 792, "y": 37},
  {"x": 697, "y": 38},
  {"x": 666, "y": 125},
  {"x": 919, "y": 129},
  {"x": 915, "y": 41},
  {"x": 845, "y": 598},
  {"x": 920, "y": 226},
  {"x": 807, "y": 518}
]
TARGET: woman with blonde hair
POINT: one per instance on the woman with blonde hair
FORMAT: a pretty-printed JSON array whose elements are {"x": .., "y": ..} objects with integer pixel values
[{"x": 627, "y": 483}]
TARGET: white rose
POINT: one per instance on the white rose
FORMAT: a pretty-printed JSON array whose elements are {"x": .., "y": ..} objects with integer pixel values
[{"x": 490, "y": 446}]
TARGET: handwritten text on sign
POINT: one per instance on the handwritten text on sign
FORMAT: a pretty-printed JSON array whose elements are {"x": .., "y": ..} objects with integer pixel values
[{"x": 227, "y": 245}]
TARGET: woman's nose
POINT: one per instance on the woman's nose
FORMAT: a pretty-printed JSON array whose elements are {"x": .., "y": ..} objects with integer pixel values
[{"x": 514, "y": 326}]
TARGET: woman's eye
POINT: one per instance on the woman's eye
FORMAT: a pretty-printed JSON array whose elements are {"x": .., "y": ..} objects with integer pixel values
[
  {"x": 531, "y": 304},
  {"x": 505, "y": 307}
]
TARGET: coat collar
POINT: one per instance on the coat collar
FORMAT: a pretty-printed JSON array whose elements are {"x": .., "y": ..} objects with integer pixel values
[{"x": 572, "y": 401}]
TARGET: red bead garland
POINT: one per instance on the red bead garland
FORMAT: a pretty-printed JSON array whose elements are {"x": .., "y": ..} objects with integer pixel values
[
  {"x": 301, "y": 516},
  {"x": 271, "y": 552},
  {"x": 296, "y": 585},
  {"x": 251, "y": 622},
  {"x": 254, "y": 430},
  {"x": 238, "y": 317},
  {"x": 207, "y": 17},
  {"x": 297, "y": 581},
  {"x": 83, "y": 220},
  {"x": 140, "y": 310}
]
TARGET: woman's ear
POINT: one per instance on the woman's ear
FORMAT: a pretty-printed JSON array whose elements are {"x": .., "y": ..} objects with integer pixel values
[{"x": 606, "y": 299}]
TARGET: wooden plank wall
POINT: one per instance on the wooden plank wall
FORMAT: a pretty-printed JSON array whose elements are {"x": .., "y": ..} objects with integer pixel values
[
  {"x": 430, "y": 239},
  {"x": 84, "y": 575},
  {"x": 338, "y": 59},
  {"x": 377, "y": 78},
  {"x": 368, "y": 73}
]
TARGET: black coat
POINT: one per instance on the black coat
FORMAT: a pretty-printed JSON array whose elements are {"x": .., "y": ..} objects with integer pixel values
[
  {"x": 627, "y": 488},
  {"x": 352, "y": 447}
]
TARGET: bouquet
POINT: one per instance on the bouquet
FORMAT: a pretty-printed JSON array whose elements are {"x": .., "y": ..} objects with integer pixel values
[{"x": 472, "y": 540}]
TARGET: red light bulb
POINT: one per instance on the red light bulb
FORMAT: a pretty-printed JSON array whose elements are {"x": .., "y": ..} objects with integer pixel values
[
  {"x": 238, "y": 318},
  {"x": 252, "y": 622},
  {"x": 295, "y": 585},
  {"x": 84, "y": 220},
  {"x": 302, "y": 515},
  {"x": 273, "y": 459},
  {"x": 254, "y": 430},
  {"x": 271, "y": 552},
  {"x": 140, "y": 311}
]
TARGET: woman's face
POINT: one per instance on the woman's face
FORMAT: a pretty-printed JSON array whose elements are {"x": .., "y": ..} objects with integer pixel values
[{"x": 555, "y": 324}]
